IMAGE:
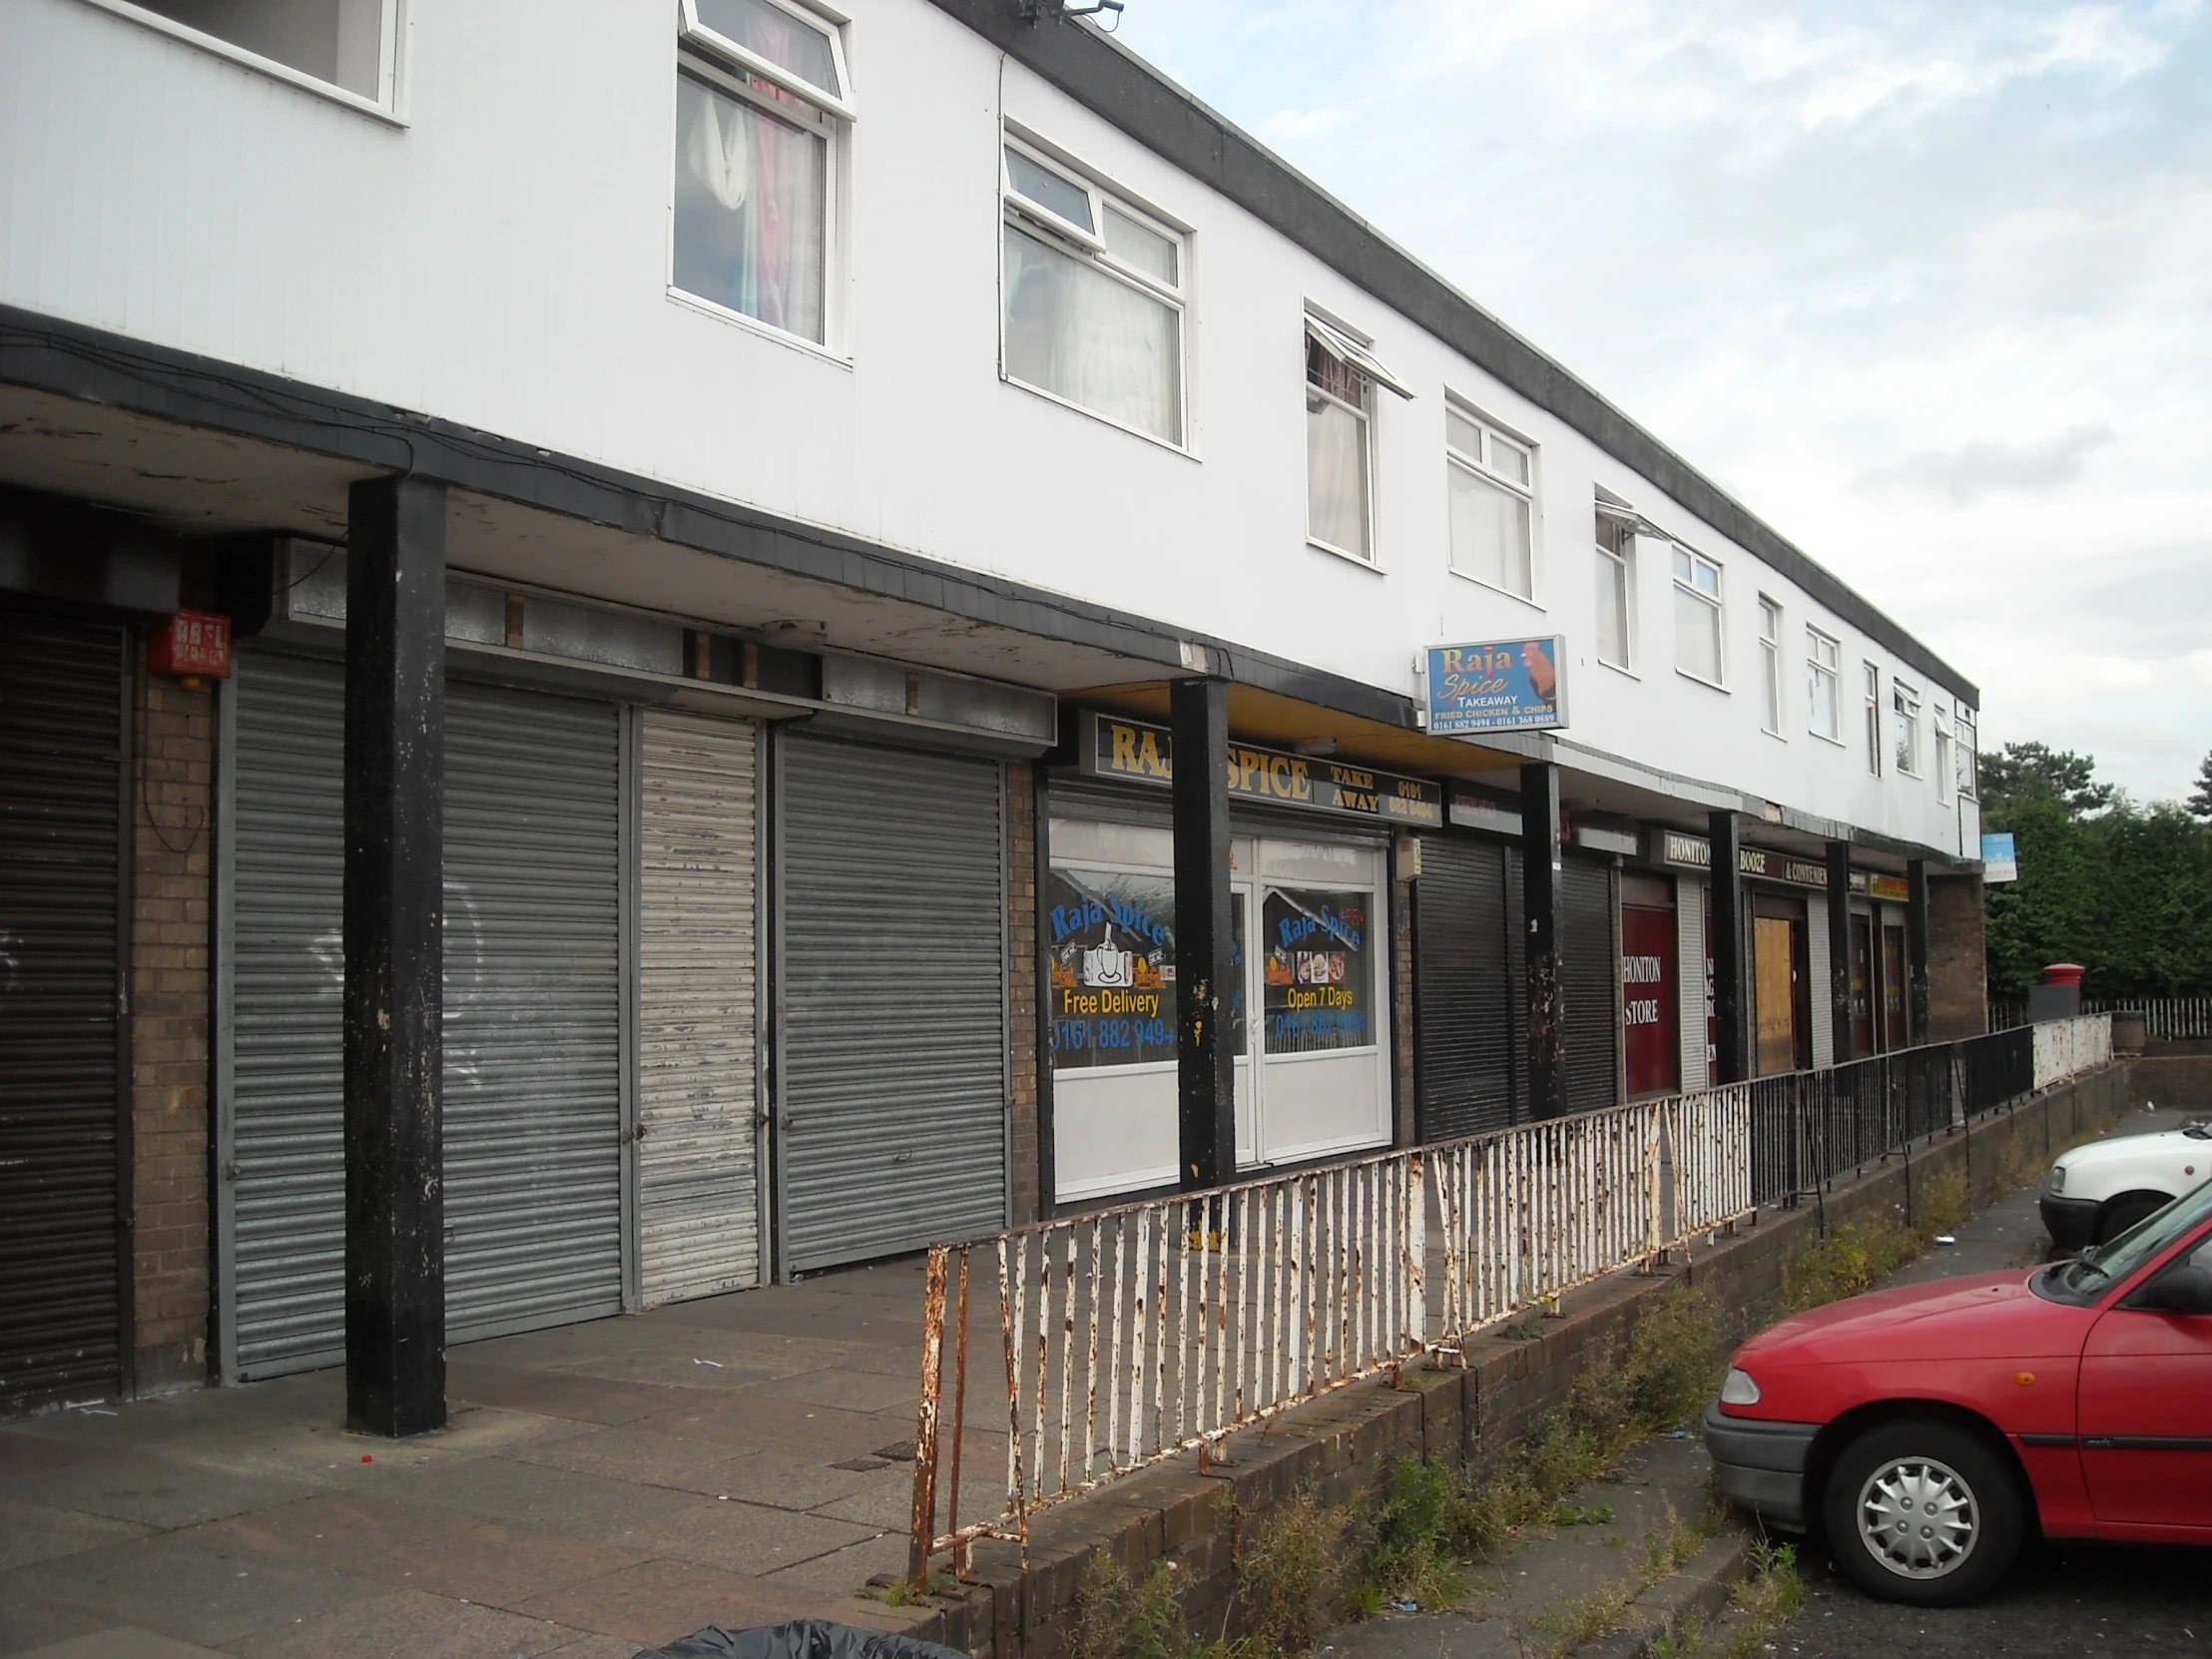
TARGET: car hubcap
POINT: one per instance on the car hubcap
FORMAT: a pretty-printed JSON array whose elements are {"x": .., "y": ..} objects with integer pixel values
[{"x": 1917, "y": 1518}]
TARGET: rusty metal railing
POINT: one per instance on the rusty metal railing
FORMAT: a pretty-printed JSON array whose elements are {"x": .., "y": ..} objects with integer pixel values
[{"x": 1129, "y": 1334}]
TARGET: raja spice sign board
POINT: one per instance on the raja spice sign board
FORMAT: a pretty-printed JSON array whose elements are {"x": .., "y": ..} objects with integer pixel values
[
  {"x": 1497, "y": 686},
  {"x": 1115, "y": 747}
]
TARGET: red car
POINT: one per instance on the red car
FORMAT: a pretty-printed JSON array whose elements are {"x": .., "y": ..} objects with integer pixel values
[{"x": 1928, "y": 1431}]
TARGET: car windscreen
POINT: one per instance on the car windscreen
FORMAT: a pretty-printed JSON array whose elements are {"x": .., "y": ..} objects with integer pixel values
[{"x": 2095, "y": 1272}]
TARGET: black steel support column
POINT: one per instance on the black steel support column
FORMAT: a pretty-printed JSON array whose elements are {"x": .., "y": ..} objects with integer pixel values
[
  {"x": 394, "y": 868},
  {"x": 1205, "y": 983},
  {"x": 1547, "y": 1003},
  {"x": 1916, "y": 947},
  {"x": 1731, "y": 1051},
  {"x": 1840, "y": 1017}
]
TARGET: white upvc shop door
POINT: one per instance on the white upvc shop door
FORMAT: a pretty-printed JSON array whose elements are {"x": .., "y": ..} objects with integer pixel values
[{"x": 1320, "y": 982}]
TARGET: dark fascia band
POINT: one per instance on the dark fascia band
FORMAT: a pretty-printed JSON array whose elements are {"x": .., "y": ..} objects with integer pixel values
[
  {"x": 72, "y": 361},
  {"x": 1128, "y": 93}
]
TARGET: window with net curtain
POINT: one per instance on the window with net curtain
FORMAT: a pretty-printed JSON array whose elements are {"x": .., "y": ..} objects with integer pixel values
[
  {"x": 1697, "y": 616},
  {"x": 753, "y": 164},
  {"x": 1093, "y": 300},
  {"x": 1339, "y": 402},
  {"x": 1492, "y": 481},
  {"x": 1616, "y": 591}
]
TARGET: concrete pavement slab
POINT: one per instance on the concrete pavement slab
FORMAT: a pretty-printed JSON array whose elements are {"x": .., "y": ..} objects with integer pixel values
[
  {"x": 655, "y": 1603},
  {"x": 152, "y": 1489},
  {"x": 554, "y": 1394},
  {"x": 848, "y": 1391},
  {"x": 123, "y": 1642},
  {"x": 846, "y": 1570},
  {"x": 647, "y": 1458},
  {"x": 39, "y": 1532},
  {"x": 405, "y": 1624},
  {"x": 182, "y": 1585}
]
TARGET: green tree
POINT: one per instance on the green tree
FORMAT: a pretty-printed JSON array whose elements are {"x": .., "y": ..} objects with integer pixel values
[
  {"x": 2125, "y": 890},
  {"x": 2200, "y": 803}
]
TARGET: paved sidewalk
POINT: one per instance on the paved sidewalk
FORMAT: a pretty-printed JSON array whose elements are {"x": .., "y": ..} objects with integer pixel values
[{"x": 600, "y": 1487}]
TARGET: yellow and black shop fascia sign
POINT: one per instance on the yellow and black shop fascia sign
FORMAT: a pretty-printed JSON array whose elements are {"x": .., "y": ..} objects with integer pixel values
[{"x": 1141, "y": 753}]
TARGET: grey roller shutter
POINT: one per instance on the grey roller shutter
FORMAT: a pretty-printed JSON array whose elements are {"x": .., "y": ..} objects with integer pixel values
[
  {"x": 532, "y": 1026},
  {"x": 61, "y": 759},
  {"x": 892, "y": 997},
  {"x": 285, "y": 1173},
  {"x": 698, "y": 1177},
  {"x": 533, "y": 1012},
  {"x": 1517, "y": 969},
  {"x": 1465, "y": 1000},
  {"x": 1589, "y": 975}
]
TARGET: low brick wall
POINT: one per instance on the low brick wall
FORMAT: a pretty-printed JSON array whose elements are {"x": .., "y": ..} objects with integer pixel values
[{"x": 1332, "y": 1446}]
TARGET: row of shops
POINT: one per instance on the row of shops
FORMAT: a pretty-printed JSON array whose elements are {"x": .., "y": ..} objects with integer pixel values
[{"x": 735, "y": 977}]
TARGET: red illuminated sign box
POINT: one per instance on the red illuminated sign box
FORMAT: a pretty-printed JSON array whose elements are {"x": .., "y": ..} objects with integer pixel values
[{"x": 193, "y": 646}]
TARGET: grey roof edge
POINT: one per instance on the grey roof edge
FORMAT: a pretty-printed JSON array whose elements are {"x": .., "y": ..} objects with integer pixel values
[{"x": 1129, "y": 93}]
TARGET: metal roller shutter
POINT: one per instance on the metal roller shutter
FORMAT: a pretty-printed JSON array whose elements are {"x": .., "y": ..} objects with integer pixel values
[
  {"x": 60, "y": 776},
  {"x": 532, "y": 1026},
  {"x": 1816, "y": 954},
  {"x": 1689, "y": 914},
  {"x": 533, "y": 1012},
  {"x": 892, "y": 1000},
  {"x": 1589, "y": 975},
  {"x": 698, "y": 937},
  {"x": 1516, "y": 973},
  {"x": 284, "y": 1179},
  {"x": 1465, "y": 1003}
]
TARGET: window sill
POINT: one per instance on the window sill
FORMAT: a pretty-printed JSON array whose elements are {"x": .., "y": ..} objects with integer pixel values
[
  {"x": 1073, "y": 407},
  {"x": 1529, "y": 599},
  {"x": 1824, "y": 738},
  {"x": 216, "y": 45},
  {"x": 754, "y": 325},
  {"x": 1621, "y": 668},
  {"x": 1372, "y": 566},
  {"x": 1774, "y": 733},
  {"x": 1700, "y": 680}
]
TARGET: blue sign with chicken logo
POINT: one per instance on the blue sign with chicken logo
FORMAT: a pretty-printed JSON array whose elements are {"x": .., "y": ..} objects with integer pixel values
[{"x": 1497, "y": 686}]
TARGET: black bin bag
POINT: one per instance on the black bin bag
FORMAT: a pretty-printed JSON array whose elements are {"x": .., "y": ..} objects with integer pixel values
[{"x": 801, "y": 1639}]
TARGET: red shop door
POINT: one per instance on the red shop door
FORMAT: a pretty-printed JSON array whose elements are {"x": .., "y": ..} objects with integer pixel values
[{"x": 1650, "y": 999}]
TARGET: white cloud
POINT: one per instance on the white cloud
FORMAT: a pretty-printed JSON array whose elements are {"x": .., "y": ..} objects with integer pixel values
[{"x": 1931, "y": 285}]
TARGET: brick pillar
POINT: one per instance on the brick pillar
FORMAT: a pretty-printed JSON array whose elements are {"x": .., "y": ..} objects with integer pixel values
[
  {"x": 1957, "y": 962},
  {"x": 172, "y": 765},
  {"x": 1025, "y": 1177}
]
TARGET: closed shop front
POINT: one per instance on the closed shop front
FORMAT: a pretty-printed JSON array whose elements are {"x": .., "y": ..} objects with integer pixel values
[
  {"x": 1589, "y": 979},
  {"x": 534, "y": 1017},
  {"x": 1650, "y": 992},
  {"x": 1467, "y": 995},
  {"x": 63, "y": 737},
  {"x": 1864, "y": 991},
  {"x": 890, "y": 961}
]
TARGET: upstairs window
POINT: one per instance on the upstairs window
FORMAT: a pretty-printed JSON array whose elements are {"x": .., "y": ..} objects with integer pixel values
[
  {"x": 1616, "y": 587},
  {"x": 1945, "y": 765},
  {"x": 349, "y": 44},
  {"x": 1970, "y": 756},
  {"x": 1824, "y": 692},
  {"x": 1494, "y": 488},
  {"x": 1874, "y": 719},
  {"x": 1697, "y": 617},
  {"x": 1770, "y": 665},
  {"x": 762, "y": 100},
  {"x": 1341, "y": 377},
  {"x": 1093, "y": 291},
  {"x": 1904, "y": 702}
]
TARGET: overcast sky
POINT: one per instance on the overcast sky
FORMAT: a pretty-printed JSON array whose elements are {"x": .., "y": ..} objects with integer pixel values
[{"x": 1927, "y": 287}]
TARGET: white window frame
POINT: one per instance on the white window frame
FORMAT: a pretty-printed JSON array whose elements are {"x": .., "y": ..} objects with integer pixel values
[
  {"x": 1966, "y": 738},
  {"x": 1480, "y": 466},
  {"x": 1358, "y": 355},
  {"x": 1717, "y": 599},
  {"x": 1037, "y": 219},
  {"x": 392, "y": 78},
  {"x": 1904, "y": 705},
  {"x": 1771, "y": 622},
  {"x": 1874, "y": 732},
  {"x": 716, "y": 61},
  {"x": 1625, "y": 526},
  {"x": 1828, "y": 667},
  {"x": 1944, "y": 762}
]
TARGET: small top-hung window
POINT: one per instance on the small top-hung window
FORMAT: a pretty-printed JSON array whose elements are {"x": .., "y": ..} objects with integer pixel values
[
  {"x": 1093, "y": 295},
  {"x": 349, "y": 44},
  {"x": 1342, "y": 375},
  {"x": 763, "y": 102}
]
